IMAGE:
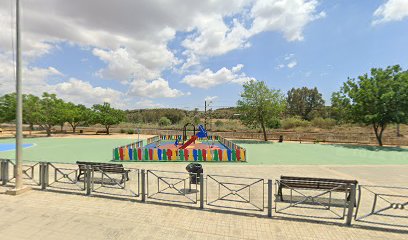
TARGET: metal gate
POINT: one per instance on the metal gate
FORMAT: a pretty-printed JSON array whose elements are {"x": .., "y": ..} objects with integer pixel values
[
  {"x": 240, "y": 193},
  {"x": 384, "y": 205},
  {"x": 170, "y": 186}
]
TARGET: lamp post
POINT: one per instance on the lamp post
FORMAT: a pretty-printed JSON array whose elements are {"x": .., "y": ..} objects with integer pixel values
[{"x": 18, "y": 188}]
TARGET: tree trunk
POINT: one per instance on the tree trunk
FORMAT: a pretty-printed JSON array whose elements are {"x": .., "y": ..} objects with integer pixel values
[
  {"x": 73, "y": 126},
  {"x": 378, "y": 130},
  {"x": 264, "y": 131},
  {"x": 48, "y": 130},
  {"x": 107, "y": 129},
  {"x": 398, "y": 130},
  {"x": 62, "y": 127}
]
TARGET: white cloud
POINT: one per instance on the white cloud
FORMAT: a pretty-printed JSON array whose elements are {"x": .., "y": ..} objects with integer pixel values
[
  {"x": 289, "y": 61},
  {"x": 292, "y": 64},
  {"x": 210, "y": 98},
  {"x": 158, "y": 88},
  {"x": 207, "y": 78},
  {"x": 392, "y": 10},
  {"x": 78, "y": 91}
]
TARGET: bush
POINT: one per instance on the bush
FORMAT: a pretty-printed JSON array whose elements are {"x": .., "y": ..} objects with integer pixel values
[
  {"x": 219, "y": 123},
  {"x": 294, "y": 122},
  {"x": 122, "y": 130},
  {"x": 323, "y": 122},
  {"x": 273, "y": 123},
  {"x": 164, "y": 121},
  {"x": 131, "y": 131}
]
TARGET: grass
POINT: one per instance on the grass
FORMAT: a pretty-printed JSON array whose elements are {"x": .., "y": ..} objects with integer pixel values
[{"x": 70, "y": 150}]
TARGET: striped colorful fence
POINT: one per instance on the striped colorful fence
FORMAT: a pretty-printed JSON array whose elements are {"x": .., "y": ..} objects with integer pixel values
[
  {"x": 118, "y": 152},
  {"x": 153, "y": 154},
  {"x": 136, "y": 152},
  {"x": 152, "y": 139}
]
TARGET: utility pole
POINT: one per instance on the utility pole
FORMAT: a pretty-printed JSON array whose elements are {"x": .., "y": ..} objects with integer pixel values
[
  {"x": 205, "y": 114},
  {"x": 19, "y": 112}
]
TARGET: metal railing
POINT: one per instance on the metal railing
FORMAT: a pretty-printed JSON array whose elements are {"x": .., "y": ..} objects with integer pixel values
[{"x": 387, "y": 205}]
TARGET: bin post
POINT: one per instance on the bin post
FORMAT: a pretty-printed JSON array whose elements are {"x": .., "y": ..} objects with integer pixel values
[
  {"x": 270, "y": 186},
  {"x": 88, "y": 179},
  {"x": 143, "y": 183},
  {"x": 201, "y": 175},
  {"x": 351, "y": 203}
]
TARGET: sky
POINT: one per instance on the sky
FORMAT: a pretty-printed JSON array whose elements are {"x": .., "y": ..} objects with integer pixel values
[{"x": 178, "y": 53}]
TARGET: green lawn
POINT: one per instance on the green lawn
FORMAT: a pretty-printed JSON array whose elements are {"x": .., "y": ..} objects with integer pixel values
[{"x": 70, "y": 150}]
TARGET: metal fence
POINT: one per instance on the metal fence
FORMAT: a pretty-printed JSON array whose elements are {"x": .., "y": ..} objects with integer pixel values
[{"x": 374, "y": 205}]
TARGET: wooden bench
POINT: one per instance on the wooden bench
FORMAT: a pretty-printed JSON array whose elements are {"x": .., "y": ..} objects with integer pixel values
[
  {"x": 328, "y": 184},
  {"x": 104, "y": 167}
]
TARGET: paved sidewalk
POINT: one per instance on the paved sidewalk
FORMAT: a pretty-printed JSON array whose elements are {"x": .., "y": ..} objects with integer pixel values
[{"x": 51, "y": 215}]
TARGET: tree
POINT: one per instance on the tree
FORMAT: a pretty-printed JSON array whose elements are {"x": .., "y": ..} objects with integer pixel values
[
  {"x": 48, "y": 113},
  {"x": 304, "y": 102},
  {"x": 76, "y": 114},
  {"x": 8, "y": 107},
  {"x": 31, "y": 105},
  {"x": 260, "y": 106},
  {"x": 378, "y": 99},
  {"x": 107, "y": 116},
  {"x": 164, "y": 121}
]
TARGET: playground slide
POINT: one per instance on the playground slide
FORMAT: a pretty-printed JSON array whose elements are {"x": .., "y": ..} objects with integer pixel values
[{"x": 191, "y": 140}]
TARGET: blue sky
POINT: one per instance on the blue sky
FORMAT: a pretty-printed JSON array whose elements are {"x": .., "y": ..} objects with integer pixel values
[{"x": 164, "y": 60}]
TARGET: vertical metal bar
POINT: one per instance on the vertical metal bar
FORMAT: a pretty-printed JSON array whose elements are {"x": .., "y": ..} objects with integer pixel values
[
  {"x": 1, "y": 170},
  {"x": 5, "y": 172},
  {"x": 270, "y": 186},
  {"x": 143, "y": 186},
  {"x": 201, "y": 176},
  {"x": 351, "y": 204},
  {"x": 88, "y": 179},
  {"x": 374, "y": 203}
]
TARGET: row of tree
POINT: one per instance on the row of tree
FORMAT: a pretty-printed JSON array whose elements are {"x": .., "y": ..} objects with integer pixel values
[
  {"x": 377, "y": 99},
  {"x": 48, "y": 111}
]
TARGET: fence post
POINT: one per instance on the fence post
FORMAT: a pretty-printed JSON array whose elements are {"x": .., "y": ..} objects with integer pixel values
[
  {"x": 143, "y": 182},
  {"x": 201, "y": 190},
  {"x": 44, "y": 175},
  {"x": 5, "y": 173},
  {"x": 1, "y": 170},
  {"x": 270, "y": 186},
  {"x": 88, "y": 180},
  {"x": 351, "y": 203}
]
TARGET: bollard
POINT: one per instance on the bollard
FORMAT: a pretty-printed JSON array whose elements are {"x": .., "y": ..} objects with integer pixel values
[
  {"x": 351, "y": 204},
  {"x": 88, "y": 179},
  {"x": 201, "y": 176},
  {"x": 270, "y": 186},
  {"x": 143, "y": 183}
]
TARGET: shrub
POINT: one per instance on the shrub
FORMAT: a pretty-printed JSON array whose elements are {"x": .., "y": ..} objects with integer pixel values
[
  {"x": 131, "y": 131},
  {"x": 164, "y": 121},
  {"x": 122, "y": 130},
  {"x": 323, "y": 122},
  {"x": 219, "y": 123},
  {"x": 294, "y": 122}
]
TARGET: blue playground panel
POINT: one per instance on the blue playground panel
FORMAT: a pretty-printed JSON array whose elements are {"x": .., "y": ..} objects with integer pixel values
[
  {"x": 12, "y": 146},
  {"x": 171, "y": 143}
]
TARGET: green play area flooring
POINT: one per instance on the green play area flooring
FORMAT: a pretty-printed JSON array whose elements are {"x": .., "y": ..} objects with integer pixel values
[{"x": 70, "y": 150}]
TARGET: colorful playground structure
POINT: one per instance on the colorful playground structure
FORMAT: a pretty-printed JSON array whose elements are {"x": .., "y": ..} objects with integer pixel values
[{"x": 198, "y": 147}]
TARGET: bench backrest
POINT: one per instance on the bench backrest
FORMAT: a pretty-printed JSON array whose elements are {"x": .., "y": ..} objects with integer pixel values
[
  {"x": 317, "y": 183},
  {"x": 106, "y": 167}
]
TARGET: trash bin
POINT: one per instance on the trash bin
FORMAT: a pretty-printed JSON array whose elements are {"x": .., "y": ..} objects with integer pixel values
[{"x": 194, "y": 169}]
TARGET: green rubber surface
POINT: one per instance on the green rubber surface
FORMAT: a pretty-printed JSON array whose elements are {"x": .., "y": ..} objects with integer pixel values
[{"x": 70, "y": 150}]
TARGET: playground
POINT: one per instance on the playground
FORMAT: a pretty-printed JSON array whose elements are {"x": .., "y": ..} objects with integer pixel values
[{"x": 72, "y": 149}]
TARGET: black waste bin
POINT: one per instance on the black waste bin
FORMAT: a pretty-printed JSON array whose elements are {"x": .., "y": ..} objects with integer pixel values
[{"x": 194, "y": 169}]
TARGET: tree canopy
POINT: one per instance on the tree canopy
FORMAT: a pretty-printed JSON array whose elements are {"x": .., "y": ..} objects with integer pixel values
[
  {"x": 260, "y": 106},
  {"x": 106, "y": 115},
  {"x": 377, "y": 99},
  {"x": 304, "y": 102}
]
